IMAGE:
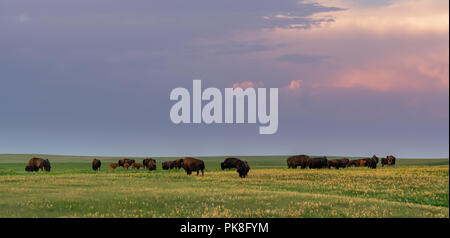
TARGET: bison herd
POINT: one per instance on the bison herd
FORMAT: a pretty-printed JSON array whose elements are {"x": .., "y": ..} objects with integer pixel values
[
  {"x": 304, "y": 161},
  {"x": 190, "y": 164}
]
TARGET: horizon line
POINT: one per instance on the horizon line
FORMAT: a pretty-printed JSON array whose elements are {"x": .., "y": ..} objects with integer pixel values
[{"x": 266, "y": 155}]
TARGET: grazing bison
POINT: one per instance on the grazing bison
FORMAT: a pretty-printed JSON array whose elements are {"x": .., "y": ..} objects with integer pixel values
[
  {"x": 229, "y": 163},
  {"x": 297, "y": 160},
  {"x": 96, "y": 164},
  {"x": 145, "y": 161},
  {"x": 113, "y": 165},
  {"x": 389, "y": 160},
  {"x": 364, "y": 162},
  {"x": 136, "y": 165},
  {"x": 242, "y": 168},
  {"x": 149, "y": 163},
  {"x": 34, "y": 164},
  {"x": 177, "y": 163},
  {"x": 343, "y": 163},
  {"x": 125, "y": 160},
  {"x": 354, "y": 163},
  {"x": 317, "y": 163},
  {"x": 369, "y": 162},
  {"x": 126, "y": 165},
  {"x": 165, "y": 165},
  {"x": 334, "y": 163},
  {"x": 191, "y": 164}
]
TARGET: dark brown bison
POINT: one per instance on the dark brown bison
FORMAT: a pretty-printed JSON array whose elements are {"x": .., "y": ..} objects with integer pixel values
[
  {"x": 34, "y": 164},
  {"x": 297, "y": 160},
  {"x": 242, "y": 168},
  {"x": 338, "y": 163},
  {"x": 165, "y": 165},
  {"x": 365, "y": 162},
  {"x": 191, "y": 164},
  {"x": 177, "y": 163},
  {"x": 344, "y": 162},
  {"x": 229, "y": 163},
  {"x": 125, "y": 160},
  {"x": 96, "y": 164},
  {"x": 149, "y": 164},
  {"x": 389, "y": 160},
  {"x": 317, "y": 163},
  {"x": 333, "y": 163},
  {"x": 113, "y": 165},
  {"x": 145, "y": 161},
  {"x": 354, "y": 163},
  {"x": 369, "y": 162},
  {"x": 172, "y": 164}
]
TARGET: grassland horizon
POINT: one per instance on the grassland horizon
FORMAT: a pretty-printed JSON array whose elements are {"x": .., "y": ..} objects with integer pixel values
[{"x": 413, "y": 188}]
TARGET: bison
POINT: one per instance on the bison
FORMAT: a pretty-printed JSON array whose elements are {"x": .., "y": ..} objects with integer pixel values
[
  {"x": 354, "y": 163},
  {"x": 343, "y": 162},
  {"x": 34, "y": 164},
  {"x": 96, "y": 164},
  {"x": 149, "y": 163},
  {"x": 125, "y": 160},
  {"x": 364, "y": 162},
  {"x": 338, "y": 163},
  {"x": 165, "y": 165},
  {"x": 389, "y": 160},
  {"x": 297, "y": 160},
  {"x": 370, "y": 162},
  {"x": 177, "y": 163},
  {"x": 317, "y": 163},
  {"x": 172, "y": 164},
  {"x": 113, "y": 165},
  {"x": 190, "y": 164},
  {"x": 136, "y": 165},
  {"x": 243, "y": 168},
  {"x": 229, "y": 163},
  {"x": 126, "y": 165},
  {"x": 145, "y": 161},
  {"x": 334, "y": 163}
]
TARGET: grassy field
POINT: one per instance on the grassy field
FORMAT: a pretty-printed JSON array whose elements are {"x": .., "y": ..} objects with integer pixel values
[{"x": 414, "y": 188}]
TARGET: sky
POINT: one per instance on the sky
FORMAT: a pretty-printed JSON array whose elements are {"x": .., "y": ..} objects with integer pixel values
[{"x": 355, "y": 78}]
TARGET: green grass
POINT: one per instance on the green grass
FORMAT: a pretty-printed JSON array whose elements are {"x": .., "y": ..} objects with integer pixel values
[{"x": 413, "y": 188}]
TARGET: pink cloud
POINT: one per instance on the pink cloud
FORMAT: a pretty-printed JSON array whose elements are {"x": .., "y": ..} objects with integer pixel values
[
  {"x": 294, "y": 85},
  {"x": 293, "y": 88},
  {"x": 422, "y": 72}
]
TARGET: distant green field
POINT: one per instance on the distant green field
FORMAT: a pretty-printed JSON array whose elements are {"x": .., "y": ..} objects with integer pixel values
[{"x": 413, "y": 188}]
